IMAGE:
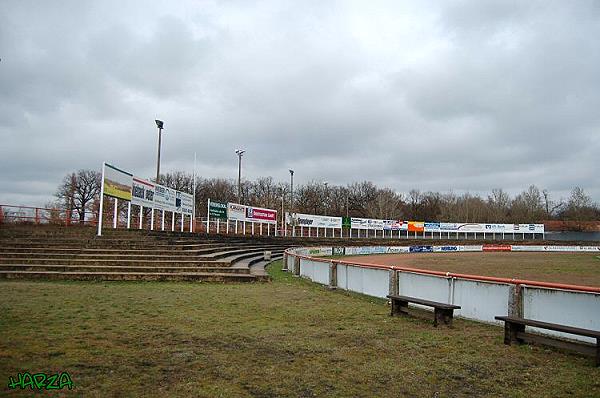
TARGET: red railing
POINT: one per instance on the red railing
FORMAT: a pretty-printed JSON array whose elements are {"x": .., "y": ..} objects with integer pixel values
[{"x": 11, "y": 214}]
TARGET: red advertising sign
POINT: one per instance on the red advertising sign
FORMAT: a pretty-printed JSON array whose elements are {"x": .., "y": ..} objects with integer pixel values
[{"x": 259, "y": 214}]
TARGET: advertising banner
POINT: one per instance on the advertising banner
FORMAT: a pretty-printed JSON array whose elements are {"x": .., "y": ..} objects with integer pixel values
[
  {"x": 346, "y": 222},
  {"x": 394, "y": 225},
  {"x": 184, "y": 202},
  {"x": 432, "y": 227},
  {"x": 366, "y": 223},
  {"x": 164, "y": 198},
  {"x": 236, "y": 212},
  {"x": 251, "y": 214},
  {"x": 218, "y": 210},
  {"x": 489, "y": 228},
  {"x": 117, "y": 183},
  {"x": 258, "y": 214},
  {"x": 416, "y": 226},
  {"x": 449, "y": 226},
  {"x": 308, "y": 220},
  {"x": 445, "y": 248},
  {"x": 497, "y": 248},
  {"x": 142, "y": 193},
  {"x": 421, "y": 249}
]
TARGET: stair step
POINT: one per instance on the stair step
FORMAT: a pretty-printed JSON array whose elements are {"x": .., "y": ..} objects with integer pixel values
[{"x": 130, "y": 276}]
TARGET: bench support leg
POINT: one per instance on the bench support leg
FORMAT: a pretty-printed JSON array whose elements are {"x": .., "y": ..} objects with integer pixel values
[
  {"x": 399, "y": 307},
  {"x": 597, "y": 351},
  {"x": 510, "y": 332},
  {"x": 442, "y": 316}
]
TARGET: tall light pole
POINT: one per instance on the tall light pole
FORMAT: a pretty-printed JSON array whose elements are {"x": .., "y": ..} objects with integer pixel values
[
  {"x": 159, "y": 124},
  {"x": 291, "y": 190},
  {"x": 239, "y": 152},
  {"x": 326, "y": 197},
  {"x": 292, "y": 201}
]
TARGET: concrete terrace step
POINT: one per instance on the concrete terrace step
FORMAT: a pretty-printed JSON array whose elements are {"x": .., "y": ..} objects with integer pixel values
[
  {"x": 109, "y": 256},
  {"x": 110, "y": 268},
  {"x": 130, "y": 276},
  {"x": 122, "y": 262}
]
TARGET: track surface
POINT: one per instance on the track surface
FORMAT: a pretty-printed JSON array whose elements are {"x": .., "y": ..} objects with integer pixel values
[{"x": 570, "y": 268}]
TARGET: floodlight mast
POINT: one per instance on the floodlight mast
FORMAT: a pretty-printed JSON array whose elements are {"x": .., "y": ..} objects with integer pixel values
[
  {"x": 159, "y": 124},
  {"x": 239, "y": 153}
]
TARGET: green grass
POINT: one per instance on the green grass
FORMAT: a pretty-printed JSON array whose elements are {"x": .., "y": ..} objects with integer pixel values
[{"x": 284, "y": 338}]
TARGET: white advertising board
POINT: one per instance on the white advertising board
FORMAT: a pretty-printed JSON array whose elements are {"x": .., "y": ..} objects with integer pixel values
[
  {"x": 485, "y": 228},
  {"x": 395, "y": 225},
  {"x": 366, "y": 223},
  {"x": 164, "y": 198},
  {"x": 184, "y": 202},
  {"x": 308, "y": 220},
  {"x": 142, "y": 193}
]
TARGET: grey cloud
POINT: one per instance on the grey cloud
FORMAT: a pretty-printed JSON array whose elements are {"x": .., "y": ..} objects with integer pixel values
[{"x": 463, "y": 96}]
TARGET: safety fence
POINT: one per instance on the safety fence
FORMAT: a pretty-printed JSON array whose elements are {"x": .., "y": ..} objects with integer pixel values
[{"x": 481, "y": 298}]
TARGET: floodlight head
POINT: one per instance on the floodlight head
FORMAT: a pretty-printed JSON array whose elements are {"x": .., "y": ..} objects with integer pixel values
[
  {"x": 291, "y": 172},
  {"x": 239, "y": 152},
  {"x": 159, "y": 123}
]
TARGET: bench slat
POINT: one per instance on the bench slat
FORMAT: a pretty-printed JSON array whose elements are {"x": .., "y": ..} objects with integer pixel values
[
  {"x": 550, "y": 326},
  {"x": 428, "y": 303}
]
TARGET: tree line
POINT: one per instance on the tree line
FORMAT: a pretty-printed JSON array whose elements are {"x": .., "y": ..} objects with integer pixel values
[{"x": 80, "y": 192}]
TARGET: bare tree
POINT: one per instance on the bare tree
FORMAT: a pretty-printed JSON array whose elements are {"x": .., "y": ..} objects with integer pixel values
[{"x": 79, "y": 190}]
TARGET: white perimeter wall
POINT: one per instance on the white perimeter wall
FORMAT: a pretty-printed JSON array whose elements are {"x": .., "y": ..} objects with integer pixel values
[{"x": 479, "y": 300}]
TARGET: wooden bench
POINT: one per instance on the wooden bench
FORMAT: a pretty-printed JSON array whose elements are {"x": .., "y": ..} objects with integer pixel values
[
  {"x": 443, "y": 313},
  {"x": 514, "y": 332}
]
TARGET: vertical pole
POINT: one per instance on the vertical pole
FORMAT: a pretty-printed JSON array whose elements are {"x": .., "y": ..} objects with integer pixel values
[
  {"x": 236, "y": 227},
  {"x": 227, "y": 227},
  {"x": 217, "y": 225},
  {"x": 172, "y": 221},
  {"x": 101, "y": 202},
  {"x": 193, "y": 216},
  {"x": 244, "y": 223},
  {"x": 141, "y": 215},
  {"x": 269, "y": 229},
  {"x": 152, "y": 219},
  {"x": 208, "y": 216},
  {"x": 252, "y": 227},
  {"x": 158, "y": 157},
  {"x": 260, "y": 228},
  {"x": 115, "y": 213},
  {"x": 128, "y": 215},
  {"x": 182, "y": 217},
  {"x": 162, "y": 222}
]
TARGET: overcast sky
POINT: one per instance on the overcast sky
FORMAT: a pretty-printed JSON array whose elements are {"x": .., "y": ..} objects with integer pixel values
[{"x": 449, "y": 95}]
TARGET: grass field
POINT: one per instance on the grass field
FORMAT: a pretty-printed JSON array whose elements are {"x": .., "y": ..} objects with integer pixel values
[
  {"x": 284, "y": 338},
  {"x": 571, "y": 268}
]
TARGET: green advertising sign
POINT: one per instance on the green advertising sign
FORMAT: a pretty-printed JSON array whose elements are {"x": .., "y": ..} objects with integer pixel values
[
  {"x": 218, "y": 210},
  {"x": 346, "y": 222}
]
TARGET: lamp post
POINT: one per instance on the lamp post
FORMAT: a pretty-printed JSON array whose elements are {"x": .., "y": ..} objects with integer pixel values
[
  {"x": 239, "y": 152},
  {"x": 159, "y": 124},
  {"x": 326, "y": 198},
  {"x": 292, "y": 201},
  {"x": 291, "y": 190}
]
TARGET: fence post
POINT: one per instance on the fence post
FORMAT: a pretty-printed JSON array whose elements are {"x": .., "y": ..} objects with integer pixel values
[
  {"x": 332, "y": 276},
  {"x": 515, "y": 301},
  {"x": 297, "y": 266},
  {"x": 284, "y": 267},
  {"x": 393, "y": 282}
]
